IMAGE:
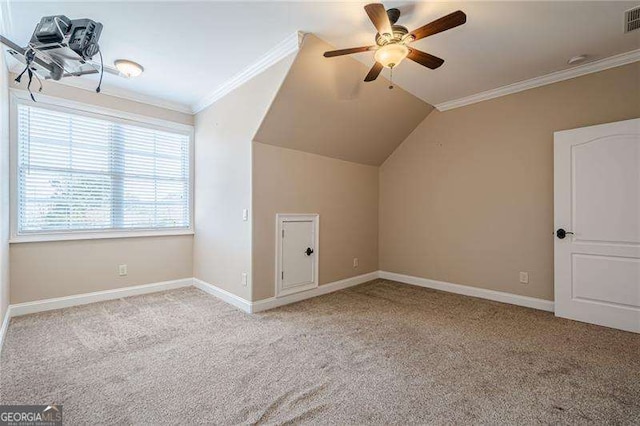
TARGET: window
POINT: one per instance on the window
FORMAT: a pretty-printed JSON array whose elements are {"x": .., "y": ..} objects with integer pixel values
[{"x": 79, "y": 172}]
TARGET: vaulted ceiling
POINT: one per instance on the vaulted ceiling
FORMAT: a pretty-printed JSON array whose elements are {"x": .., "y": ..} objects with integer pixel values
[
  {"x": 325, "y": 108},
  {"x": 189, "y": 49}
]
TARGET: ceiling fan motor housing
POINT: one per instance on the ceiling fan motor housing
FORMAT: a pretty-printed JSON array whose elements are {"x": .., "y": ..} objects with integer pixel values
[{"x": 399, "y": 33}]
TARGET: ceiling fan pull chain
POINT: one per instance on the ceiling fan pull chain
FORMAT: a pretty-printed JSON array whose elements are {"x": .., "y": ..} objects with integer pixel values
[{"x": 391, "y": 78}]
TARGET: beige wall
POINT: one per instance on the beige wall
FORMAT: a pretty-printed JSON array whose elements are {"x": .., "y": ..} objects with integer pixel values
[
  {"x": 4, "y": 187},
  {"x": 224, "y": 131},
  {"x": 54, "y": 269},
  {"x": 468, "y": 197},
  {"x": 63, "y": 268},
  {"x": 344, "y": 194}
]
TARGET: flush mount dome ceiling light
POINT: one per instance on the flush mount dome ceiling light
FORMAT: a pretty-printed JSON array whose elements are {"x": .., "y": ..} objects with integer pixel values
[
  {"x": 392, "y": 41},
  {"x": 128, "y": 68},
  {"x": 577, "y": 59}
]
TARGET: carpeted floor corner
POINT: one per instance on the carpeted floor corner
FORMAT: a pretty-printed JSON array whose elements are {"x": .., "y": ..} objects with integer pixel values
[{"x": 378, "y": 353}]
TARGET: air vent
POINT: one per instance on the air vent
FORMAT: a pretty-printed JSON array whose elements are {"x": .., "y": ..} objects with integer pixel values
[{"x": 632, "y": 19}]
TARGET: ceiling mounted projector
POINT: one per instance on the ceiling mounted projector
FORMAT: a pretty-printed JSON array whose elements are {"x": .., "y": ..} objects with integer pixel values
[{"x": 61, "y": 47}]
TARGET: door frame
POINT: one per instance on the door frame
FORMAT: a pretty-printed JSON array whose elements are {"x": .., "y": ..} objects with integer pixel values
[{"x": 296, "y": 217}]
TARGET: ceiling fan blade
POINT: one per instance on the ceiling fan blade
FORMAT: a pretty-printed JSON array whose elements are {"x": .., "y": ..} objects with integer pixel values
[
  {"x": 425, "y": 59},
  {"x": 374, "y": 72},
  {"x": 452, "y": 20},
  {"x": 340, "y": 52},
  {"x": 379, "y": 17}
]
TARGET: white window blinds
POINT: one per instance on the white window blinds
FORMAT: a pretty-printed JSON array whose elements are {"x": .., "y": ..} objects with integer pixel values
[{"x": 79, "y": 173}]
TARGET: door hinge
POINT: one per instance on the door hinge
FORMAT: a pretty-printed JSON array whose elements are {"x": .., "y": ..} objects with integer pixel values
[
  {"x": 283, "y": 233},
  {"x": 282, "y": 275}
]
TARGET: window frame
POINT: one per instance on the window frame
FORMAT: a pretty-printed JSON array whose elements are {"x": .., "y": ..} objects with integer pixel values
[{"x": 21, "y": 97}]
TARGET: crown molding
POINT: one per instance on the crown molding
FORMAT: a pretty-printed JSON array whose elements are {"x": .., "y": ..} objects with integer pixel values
[
  {"x": 554, "y": 77},
  {"x": 280, "y": 51},
  {"x": 89, "y": 85}
]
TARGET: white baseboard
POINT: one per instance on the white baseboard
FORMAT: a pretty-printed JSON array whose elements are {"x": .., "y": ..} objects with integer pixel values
[
  {"x": 224, "y": 295},
  {"x": 245, "y": 305},
  {"x": 25, "y": 308},
  {"x": 274, "y": 302},
  {"x": 5, "y": 326},
  {"x": 98, "y": 296},
  {"x": 482, "y": 293},
  {"x": 265, "y": 304}
]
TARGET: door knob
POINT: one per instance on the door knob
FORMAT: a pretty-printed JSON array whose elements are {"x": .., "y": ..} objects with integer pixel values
[
  {"x": 308, "y": 251},
  {"x": 561, "y": 233}
]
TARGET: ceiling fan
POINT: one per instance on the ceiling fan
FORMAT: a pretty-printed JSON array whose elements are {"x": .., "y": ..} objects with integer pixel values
[{"x": 392, "y": 41}]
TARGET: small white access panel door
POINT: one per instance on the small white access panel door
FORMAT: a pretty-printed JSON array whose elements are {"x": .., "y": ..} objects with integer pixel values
[
  {"x": 297, "y": 253},
  {"x": 597, "y": 224}
]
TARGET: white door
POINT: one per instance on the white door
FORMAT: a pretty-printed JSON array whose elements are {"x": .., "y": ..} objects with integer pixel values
[
  {"x": 297, "y": 260},
  {"x": 597, "y": 222}
]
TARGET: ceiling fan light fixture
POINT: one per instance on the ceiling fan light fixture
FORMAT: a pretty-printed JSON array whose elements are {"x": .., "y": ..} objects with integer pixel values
[
  {"x": 390, "y": 55},
  {"x": 128, "y": 68}
]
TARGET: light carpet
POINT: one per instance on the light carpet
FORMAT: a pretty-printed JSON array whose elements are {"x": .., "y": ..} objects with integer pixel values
[{"x": 378, "y": 353}]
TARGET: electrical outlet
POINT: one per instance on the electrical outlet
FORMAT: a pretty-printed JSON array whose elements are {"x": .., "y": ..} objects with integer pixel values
[
  {"x": 122, "y": 270},
  {"x": 524, "y": 277},
  {"x": 355, "y": 262},
  {"x": 244, "y": 279}
]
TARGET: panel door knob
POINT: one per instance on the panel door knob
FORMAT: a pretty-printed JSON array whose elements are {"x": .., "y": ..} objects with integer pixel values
[
  {"x": 561, "y": 233},
  {"x": 308, "y": 251}
]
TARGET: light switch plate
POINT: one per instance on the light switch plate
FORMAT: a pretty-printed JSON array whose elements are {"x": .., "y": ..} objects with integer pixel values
[
  {"x": 122, "y": 270},
  {"x": 245, "y": 214}
]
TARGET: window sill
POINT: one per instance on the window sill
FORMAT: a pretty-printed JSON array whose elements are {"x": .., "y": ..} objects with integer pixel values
[{"x": 71, "y": 236}]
